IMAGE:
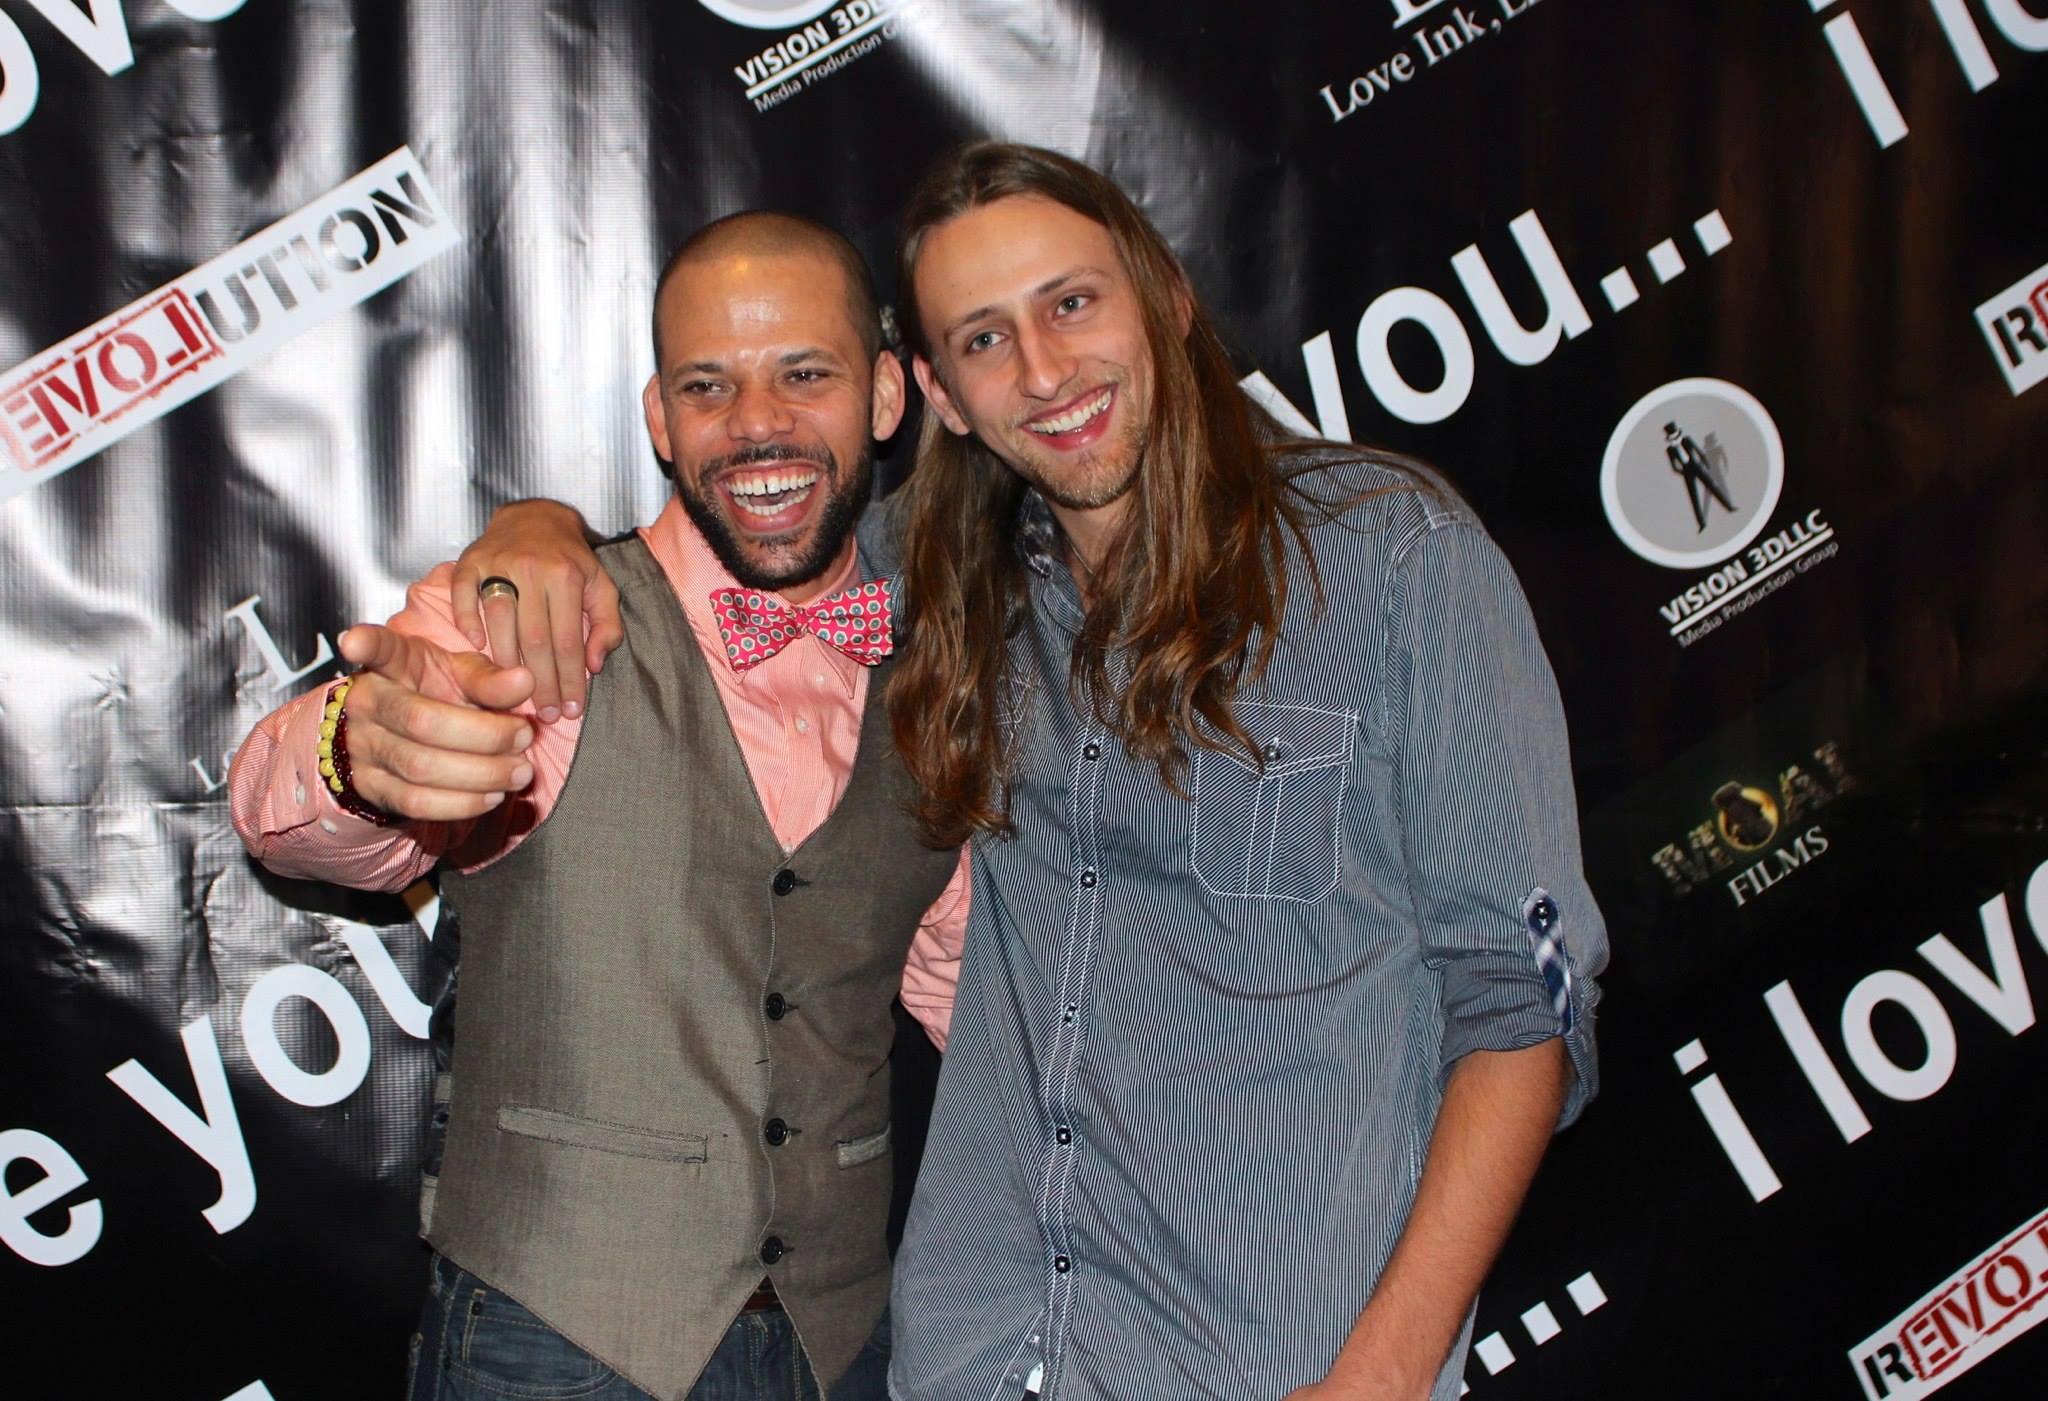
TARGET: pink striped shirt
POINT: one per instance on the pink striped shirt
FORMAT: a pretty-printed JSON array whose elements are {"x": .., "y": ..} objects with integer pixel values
[{"x": 797, "y": 718}]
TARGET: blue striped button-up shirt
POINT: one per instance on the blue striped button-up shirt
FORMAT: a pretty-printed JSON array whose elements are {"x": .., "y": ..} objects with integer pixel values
[{"x": 1200, "y": 1042}]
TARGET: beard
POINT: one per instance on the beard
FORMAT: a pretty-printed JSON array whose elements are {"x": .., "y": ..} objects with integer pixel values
[
  {"x": 1088, "y": 480},
  {"x": 775, "y": 566},
  {"x": 1093, "y": 490},
  {"x": 1100, "y": 479}
]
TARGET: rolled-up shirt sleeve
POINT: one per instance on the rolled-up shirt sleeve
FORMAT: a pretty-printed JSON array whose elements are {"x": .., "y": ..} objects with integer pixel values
[
  {"x": 1488, "y": 817},
  {"x": 285, "y": 815}
]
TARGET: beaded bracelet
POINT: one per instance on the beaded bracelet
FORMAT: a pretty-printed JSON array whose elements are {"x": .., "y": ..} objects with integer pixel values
[{"x": 334, "y": 765}]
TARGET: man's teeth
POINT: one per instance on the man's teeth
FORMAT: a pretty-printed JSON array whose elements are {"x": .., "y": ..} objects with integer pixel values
[
  {"x": 765, "y": 508},
  {"x": 1073, "y": 418},
  {"x": 772, "y": 483},
  {"x": 774, "y": 493}
]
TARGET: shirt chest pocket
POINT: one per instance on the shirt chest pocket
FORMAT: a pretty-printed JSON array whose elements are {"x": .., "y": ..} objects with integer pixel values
[{"x": 1271, "y": 831}]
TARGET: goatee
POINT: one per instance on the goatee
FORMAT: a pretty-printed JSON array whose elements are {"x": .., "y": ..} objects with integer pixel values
[{"x": 757, "y": 567}]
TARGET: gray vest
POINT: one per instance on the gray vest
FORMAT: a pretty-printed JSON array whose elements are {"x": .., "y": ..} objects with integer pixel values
[{"x": 674, "y": 1041}]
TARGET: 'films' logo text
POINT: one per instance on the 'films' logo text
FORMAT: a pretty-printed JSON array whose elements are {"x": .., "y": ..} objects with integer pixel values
[{"x": 1758, "y": 834}]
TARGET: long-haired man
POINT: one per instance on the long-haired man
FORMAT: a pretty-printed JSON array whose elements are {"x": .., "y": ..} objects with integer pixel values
[{"x": 1278, "y": 972}]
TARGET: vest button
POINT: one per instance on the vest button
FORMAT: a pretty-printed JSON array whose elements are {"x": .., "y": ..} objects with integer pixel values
[
  {"x": 775, "y": 1006},
  {"x": 1059, "y": 1262},
  {"x": 785, "y": 881},
  {"x": 776, "y": 1132},
  {"x": 772, "y": 1249}
]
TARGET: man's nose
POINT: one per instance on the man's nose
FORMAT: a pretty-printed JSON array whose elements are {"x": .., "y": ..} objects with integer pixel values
[
  {"x": 758, "y": 415},
  {"x": 1045, "y": 366}
]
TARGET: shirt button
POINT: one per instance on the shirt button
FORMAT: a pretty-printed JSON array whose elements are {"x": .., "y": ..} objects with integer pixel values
[
  {"x": 776, "y": 1132},
  {"x": 1065, "y": 1135},
  {"x": 1272, "y": 751},
  {"x": 784, "y": 882},
  {"x": 1059, "y": 1262},
  {"x": 775, "y": 1006},
  {"x": 803, "y": 726},
  {"x": 1543, "y": 915},
  {"x": 1088, "y": 879},
  {"x": 1093, "y": 751},
  {"x": 329, "y": 828},
  {"x": 299, "y": 795},
  {"x": 772, "y": 1249}
]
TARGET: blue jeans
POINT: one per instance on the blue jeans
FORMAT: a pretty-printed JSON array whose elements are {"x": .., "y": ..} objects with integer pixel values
[{"x": 477, "y": 1344}]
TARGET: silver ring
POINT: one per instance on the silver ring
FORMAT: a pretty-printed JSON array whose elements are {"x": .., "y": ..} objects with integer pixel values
[{"x": 498, "y": 586}]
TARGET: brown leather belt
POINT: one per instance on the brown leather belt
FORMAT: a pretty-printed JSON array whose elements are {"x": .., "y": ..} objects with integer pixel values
[{"x": 762, "y": 1299}]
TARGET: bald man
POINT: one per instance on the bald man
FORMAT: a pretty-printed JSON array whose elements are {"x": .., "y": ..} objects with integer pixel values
[{"x": 686, "y": 904}]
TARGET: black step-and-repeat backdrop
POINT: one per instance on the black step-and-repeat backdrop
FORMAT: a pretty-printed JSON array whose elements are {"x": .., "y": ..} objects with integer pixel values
[{"x": 1731, "y": 320}]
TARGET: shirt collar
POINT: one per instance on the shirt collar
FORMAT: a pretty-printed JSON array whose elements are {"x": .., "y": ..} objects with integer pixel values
[
  {"x": 1042, "y": 545},
  {"x": 695, "y": 573},
  {"x": 1038, "y": 535}
]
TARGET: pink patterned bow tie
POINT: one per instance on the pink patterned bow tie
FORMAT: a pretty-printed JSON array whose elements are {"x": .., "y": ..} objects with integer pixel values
[{"x": 756, "y": 626}]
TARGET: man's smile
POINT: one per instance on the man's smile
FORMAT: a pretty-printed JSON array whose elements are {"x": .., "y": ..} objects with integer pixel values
[
  {"x": 771, "y": 499},
  {"x": 1076, "y": 423}
]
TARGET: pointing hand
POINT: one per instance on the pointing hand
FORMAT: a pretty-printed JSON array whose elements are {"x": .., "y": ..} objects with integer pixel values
[{"x": 427, "y": 736}]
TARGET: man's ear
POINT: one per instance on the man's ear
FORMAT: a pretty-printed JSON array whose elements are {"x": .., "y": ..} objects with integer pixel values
[
  {"x": 657, "y": 419},
  {"x": 935, "y": 394},
  {"x": 886, "y": 400}
]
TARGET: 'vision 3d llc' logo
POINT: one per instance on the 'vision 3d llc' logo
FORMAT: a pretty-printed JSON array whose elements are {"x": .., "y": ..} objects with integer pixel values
[
  {"x": 1692, "y": 472},
  {"x": 819, "y": 38},
  {"x": 1690, "y": 480}
]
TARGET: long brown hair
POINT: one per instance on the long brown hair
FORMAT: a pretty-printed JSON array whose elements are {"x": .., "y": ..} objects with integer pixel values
[{"x": 1191, "y": 591}]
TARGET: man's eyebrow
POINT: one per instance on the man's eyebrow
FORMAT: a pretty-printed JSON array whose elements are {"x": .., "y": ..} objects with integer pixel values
[
  {"x": 808, "y": 353},
  {"x": 1051, "y": 284}
]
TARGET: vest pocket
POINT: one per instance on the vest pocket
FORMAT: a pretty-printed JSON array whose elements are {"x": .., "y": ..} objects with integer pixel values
[
  {"x": 554, "y": 1127},
  {"x": 865, "y": 1149},
  {"x": 1272, "y": 832}
]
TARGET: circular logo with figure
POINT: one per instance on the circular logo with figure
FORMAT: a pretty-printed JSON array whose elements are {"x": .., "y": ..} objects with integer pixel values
[
  {"x": 1746, "y": 817},
  {"x": 768, "y": 14},
  {"x": 1692, "y": 473}
]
